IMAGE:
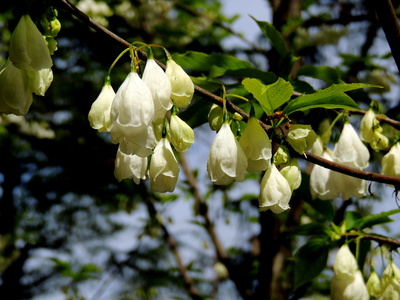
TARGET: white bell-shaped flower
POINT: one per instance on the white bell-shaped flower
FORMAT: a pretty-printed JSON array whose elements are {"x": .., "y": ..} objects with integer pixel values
[
  {"x": 160, "y": 87},
  {"x": 347, "y": 282},
  {"x": 182, "y": 85},
  {"x": 350, "y": 150},
  {"x": 143, "y": 145},
  {"x": 180, "y": 133},
  {"x": 99, "y": 114},
  {"x": 390, "y": 283},
  {"x": 256, "y": 146},
  {"x": 321, "y": 184},
  {"x": 15, "y": 92},
  {"x": 28, "y": 49},
  {"x": 367, "y": 124},
  {"x": 346, "y": 186},
  {"x": 226, "y": 160},
  {"x": 40, "y": 81},
  {"x": 164, "y": 168},
  {"x": 132, "y": 113},
  {"x": 130, "y": 166},
  {"x": 275, "y": 191},
  {"x": 391, "y": 161},
  {"x": 374, "y": 286}
]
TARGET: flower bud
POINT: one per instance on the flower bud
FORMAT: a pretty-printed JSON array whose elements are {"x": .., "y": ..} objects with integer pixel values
[
  {"x": 292, "y": 174},
  {"x": 180, "y": 133},
  {"x": 99, "y": 114},
  {"x": 256, "y": 146},
  {"x": 282, "y": 156},
  {"x": 275, "y": 192},
  {"x": 226, "y": 161},
  {"x": 182, "y": 85},
  {"x": 390, "y": 282},
  {"x": 391, "y": 161},
  {"x": 374, "y": 285},
  {"x": 164, "y": 168},
  {"x": 215, "y": 117},
  {"x": 301, "y": 137}
]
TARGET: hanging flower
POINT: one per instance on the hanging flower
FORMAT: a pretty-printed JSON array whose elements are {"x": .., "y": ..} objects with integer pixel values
[
  {"x": 371, "y": 131},
  {"x": 390, "y": 283},
  {"x": 99, "y": 114},
  {"x": 132, "y": 112},
  {"x": 350, "y": 150},
  {"x": 130, "y": 166},
  {"x": 40, "y": 81},
  {"x": 215, "y": 117},
  {"x": 374, "y": 285},
  {"x": 164, "y": 168},
  {"x": 28, "y": 49},
  {"x": 226, "y": 160},
  {"x": 180, "y": 133},
  {"x": 321, "y": 184},
  {"x": 301, "y": 137},
  {"x": 275, "y": 192},
  {"x": 159, "y": 86},
  {"x": 391, "y": 161},
  {"x": 347, "y": 282},
  {"x": 15, "y": 92},
  {"x": 256, "y": 146},
  {"x": 182, "y": 85},
  {"x": 292, "y": 174}
]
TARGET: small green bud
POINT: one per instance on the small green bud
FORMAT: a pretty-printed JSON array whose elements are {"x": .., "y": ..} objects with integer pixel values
[
  {"x": 215, "y": 117},
  {"x": 282, "y": 156},
  {"x": 374, "y": 285}
]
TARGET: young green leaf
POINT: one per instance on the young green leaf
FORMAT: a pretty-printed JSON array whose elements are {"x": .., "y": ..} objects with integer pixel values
[
  {"x": 269, "y": 96},
  {"x": 325, "y": 73},
  {"x": 331, "y": 97}
]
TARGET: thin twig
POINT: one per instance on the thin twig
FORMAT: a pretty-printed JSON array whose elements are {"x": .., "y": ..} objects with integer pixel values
[{"x": 393, "y": 244}]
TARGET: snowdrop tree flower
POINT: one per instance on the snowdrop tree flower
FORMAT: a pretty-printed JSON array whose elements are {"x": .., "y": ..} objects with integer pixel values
[
  {"x": 391, "y": 161},
  {"x": 256, "y": 146},
  {"x": 226, "y": 160},
  {"x": 182, "y": 85},
  {"x": 350, "y": 150},
  {"x": 180, "y": 133},
  {"x": 374, "y": 285},
  {"x": 275, "y": 191},
  {"x": 347, "y": 282},
  {"x": 130, "y": 166},
  {"x": 164, "y": 168},
  {"x": 40, "y": 81},
  {"x": 132, "y": 113},
  {"x": 28, "y": 49},
  {"x": 390, "y": 283},
  {"x": 292, "y": 174},
  {"x": 15, "y": 92},
  {"x": 99, "y": 114},
  {"x": 370, "y": 131},
  {"x": 321, "y": 184},
  {"x": 159, "y": 86},
  {"x": 301, "y": 137}
]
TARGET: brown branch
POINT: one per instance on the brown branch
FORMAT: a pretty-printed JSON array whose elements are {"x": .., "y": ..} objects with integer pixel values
[
  {"x": 233, "y": 108},
  {"x": 381, "y": 118},
  {"x": 392, "y": 243},
  {"x": 187, "y": 279},
  {"x": 390, "y": 25}
]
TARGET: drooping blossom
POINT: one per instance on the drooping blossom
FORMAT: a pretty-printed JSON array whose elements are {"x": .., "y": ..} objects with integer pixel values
[
  {"x": 347, "y": 282},
  {"x": 256, "y": 146},
  {"x": 159, "y": 86},
  {"x": 275, "y": 191},
  {"x": 391, "y": 161},
  {"x": 390, "y": 283},
  {"x": 99, "y": 114},
  {"x": 301, "y": 137},
  {"x": 226, "y": 160},
  {"x": 180, "y": 133},
  {"x": 164, "y": 168},
  {"x": 292, "y": 174},
  {"x": 130, "y": 166},
  {"x": 371, "y": 131},
  {"x": 182, "y": 85}
]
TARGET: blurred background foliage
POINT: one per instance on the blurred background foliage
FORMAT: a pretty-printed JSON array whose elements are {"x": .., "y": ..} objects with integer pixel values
[{"x": 68, "y": 227}]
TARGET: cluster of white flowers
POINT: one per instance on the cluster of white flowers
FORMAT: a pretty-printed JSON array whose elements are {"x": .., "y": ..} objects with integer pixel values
[
  {"x": 141, "y": 117},
  {"x": 229, "y": 159},
  {"x": 349, "y": 151},
  {"x": 27, "y": 70},
  {"x": 388, "y": 287},
  {"x": 347, "y": 282}
]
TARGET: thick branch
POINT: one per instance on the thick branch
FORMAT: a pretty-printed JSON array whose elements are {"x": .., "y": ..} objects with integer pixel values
[
  {"x": 390, "y": 25},
  {"x": 187, "y": 279}
]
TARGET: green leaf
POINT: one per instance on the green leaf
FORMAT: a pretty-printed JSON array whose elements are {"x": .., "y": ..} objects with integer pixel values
[
  {"x": 216, "y": 64},
  {"x": 330, "y": 98},
  {"x": 269, "y": 96},
  {"x": 312, "y": 229},
  {"x": 274, "y": 36},
  {"x": 310, "y": 260},
  {"x": 325, "y": 73},
  {"x": 324, "y": 207},
  {"x": 375, "y": 219}
]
